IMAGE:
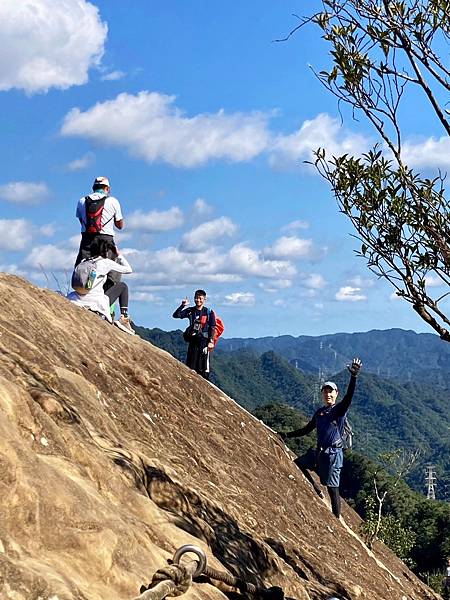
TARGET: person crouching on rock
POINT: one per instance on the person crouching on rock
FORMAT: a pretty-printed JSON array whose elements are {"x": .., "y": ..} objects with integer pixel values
[
  {"x": 105, "y": 258},
  {"x": 329, "y": 422},
  {"x": 199, "y": 334}
]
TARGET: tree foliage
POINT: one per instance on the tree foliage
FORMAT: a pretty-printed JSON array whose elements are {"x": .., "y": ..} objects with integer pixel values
[
  {"x": 382, "y": 52},
  {"x": 389, "y": 528}
]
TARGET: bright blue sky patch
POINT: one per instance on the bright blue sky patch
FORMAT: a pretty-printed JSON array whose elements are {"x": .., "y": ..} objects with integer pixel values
[{"x": 202, "y": 124}]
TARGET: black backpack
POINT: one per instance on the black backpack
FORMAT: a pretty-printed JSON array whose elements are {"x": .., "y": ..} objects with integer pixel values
[
  {"x": 94, "y": 210},
  {"x": 347, "y": 435},
  {"x": 195, "y": 330}
]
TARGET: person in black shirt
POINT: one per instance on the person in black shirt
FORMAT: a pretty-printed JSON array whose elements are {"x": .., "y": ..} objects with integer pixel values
[
  {"x": 329, "y": 422},
  {"x": 199, "y": 334}
]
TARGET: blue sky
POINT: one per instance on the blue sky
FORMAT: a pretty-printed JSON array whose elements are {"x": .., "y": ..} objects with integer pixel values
[{"x": 202, "y": 124}]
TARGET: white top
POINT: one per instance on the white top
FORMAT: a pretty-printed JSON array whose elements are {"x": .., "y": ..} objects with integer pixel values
[
  {"x": 96, "y": 299},
  {"x": 111, "y": 212},
  {"x": 448, "y": 571}
]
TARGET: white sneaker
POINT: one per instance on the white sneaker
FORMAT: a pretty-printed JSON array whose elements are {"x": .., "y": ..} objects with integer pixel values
[{"x": 124, "y": 324}]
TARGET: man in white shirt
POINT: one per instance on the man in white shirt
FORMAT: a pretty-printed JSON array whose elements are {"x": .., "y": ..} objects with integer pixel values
[{"x": 98, "y": 214}]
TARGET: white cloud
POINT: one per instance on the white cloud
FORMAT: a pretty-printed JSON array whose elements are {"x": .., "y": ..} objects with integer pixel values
[
  {"x": 429, "y": 152},
  {"x": 314, "y": 281},
  {"x": 15, "y": 234},
  {"x": 13, "y": 270},
  {"x": 150, "y": 126},
  {"x": 394, "y": 296},
  {"x": 23, "y": 192},
  {"x": 247, "y": 261},
  {"x": 48, "y": 44},
  {"x": 241, "y": 298},
  {"x": 433, "y": 281},
  {"x": 113, "y": 76},
  {"x": 323, "y": 131},
  {"x": 279, "y": 302},
  {"x": 145, "y": 297},
  {"x": 275, "y": 285},
  {"x": 202, "y": 208},
  {"x": 350, "y": 294},
  {"x": 361, "y": 282},
  {"x": 294, "y": 225},
  {"x": 52, "y": 258},
  {"x": 202, "y": 236},
  {"x": 74, "y": 241},
  {"x": 48, "y": 230},
  {"x": 290, "y": 247},
  {"x": 78, "y": 164},
  {"x": 155, "y": 221},
  {"x": 171, "y": 267}
]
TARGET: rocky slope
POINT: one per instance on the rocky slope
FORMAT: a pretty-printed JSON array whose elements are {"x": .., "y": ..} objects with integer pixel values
[{"x": 113, "y": 454}]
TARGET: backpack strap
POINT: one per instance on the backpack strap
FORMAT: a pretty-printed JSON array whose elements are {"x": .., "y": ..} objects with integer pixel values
[{"x": 86, "y": 200}]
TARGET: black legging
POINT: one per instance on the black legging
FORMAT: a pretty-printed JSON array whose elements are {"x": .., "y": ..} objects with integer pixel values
[
  {"x": 333, "y": 492},
  {"x": 118, "y": 290}
]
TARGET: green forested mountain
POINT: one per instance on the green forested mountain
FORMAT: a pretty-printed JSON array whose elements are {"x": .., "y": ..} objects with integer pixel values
[
  {"x": 385, "y": 414},
  {"x": 392, "y": 353},
  {"x": 427, "y": 522}
]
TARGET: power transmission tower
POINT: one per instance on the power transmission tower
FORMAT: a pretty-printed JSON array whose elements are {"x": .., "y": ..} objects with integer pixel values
[{"x": 430, "y": 481}]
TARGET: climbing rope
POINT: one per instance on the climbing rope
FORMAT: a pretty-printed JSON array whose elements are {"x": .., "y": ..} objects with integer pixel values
[{"x": 176, "y": 579}]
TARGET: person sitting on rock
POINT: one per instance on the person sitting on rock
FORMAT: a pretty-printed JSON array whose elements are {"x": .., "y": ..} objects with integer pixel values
[
  {"x": 329, "y": 422},
  {"x": 106, "y": 259},
  {"x": 199, "y": 334}
]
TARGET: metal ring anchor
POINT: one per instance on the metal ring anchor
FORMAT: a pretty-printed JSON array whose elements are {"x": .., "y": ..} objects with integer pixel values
[{"x": 202, "y": 561}]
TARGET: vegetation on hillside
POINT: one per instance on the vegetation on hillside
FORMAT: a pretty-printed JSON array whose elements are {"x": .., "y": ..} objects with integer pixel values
[
  {"x": 385, "y": 416},
  {"x": 417, "y": 529}
]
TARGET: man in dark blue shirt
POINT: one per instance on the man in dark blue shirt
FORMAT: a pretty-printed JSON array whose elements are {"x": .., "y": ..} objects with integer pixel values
[
  {"x": 329, "y": 422},
  {"x": 199, "y": 334}
]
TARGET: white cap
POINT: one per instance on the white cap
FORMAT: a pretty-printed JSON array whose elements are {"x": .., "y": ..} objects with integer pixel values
[
  {"x": 329, "y": 384},
  {"x": 101, "y": 181}
]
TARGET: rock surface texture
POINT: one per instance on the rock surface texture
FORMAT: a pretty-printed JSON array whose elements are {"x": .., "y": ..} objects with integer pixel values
[{"x": 113, "y": 454}]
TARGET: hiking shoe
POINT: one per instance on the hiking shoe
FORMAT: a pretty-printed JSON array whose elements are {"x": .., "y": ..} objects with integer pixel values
[{"x": 124, "y": 324}]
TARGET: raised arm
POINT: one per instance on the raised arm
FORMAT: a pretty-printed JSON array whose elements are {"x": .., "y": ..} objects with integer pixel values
[
  {"x": 121, "y": 265},
  {"x": 342, "y": 407},
  {"x": 182, "y": 312}
]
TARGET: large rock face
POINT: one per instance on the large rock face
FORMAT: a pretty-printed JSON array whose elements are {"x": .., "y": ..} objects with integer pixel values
[{"x": 113, "y": 454}]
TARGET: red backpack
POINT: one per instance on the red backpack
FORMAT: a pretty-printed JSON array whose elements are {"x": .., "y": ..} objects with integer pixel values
[
  {"x": 94, "y": 210},
  {"x": 220, "y": 328}
]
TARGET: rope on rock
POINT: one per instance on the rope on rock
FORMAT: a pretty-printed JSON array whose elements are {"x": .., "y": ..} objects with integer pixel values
[
  {"x": 176, "y": 579},
  {"x": 173, "y": 580}
]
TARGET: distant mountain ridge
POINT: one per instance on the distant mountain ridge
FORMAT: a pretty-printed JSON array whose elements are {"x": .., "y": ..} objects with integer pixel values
[
  {"x": 386, "y": 413},
  {"x": 393, "y": 353},
  {"x": 113, "y": 454}
]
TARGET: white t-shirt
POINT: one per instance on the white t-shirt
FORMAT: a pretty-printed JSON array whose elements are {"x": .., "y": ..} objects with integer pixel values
[
  {"x": 111, "y": 212},
  {"x": 96, "y": 299},
  {"x": 448, "y": 571}
]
